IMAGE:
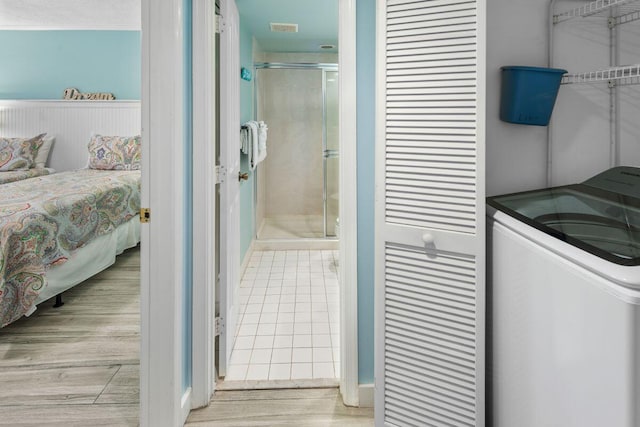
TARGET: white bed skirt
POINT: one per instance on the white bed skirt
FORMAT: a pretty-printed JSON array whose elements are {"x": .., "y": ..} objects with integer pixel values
[{"x": 90, "y": 260}]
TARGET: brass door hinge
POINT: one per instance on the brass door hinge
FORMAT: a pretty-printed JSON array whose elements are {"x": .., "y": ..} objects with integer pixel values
[{"x": 145, "y": 215}]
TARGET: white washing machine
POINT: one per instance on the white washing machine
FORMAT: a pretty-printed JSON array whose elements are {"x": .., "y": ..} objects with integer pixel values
[{"x": 563, "y": 309}]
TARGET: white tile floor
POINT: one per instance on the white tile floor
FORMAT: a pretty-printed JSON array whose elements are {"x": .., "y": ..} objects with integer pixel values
[{"x": 289, "y": 317}]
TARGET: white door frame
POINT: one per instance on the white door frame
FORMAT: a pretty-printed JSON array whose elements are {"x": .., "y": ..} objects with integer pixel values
[
  {"x": 204, "y": 190},
  {"x": 162, "y": 402},
  {"x": 203, "y": 338},
  {"x": 348, "y": 204}
]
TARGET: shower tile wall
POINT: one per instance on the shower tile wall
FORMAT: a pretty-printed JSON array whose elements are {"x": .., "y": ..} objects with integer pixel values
[{"x": 293, "y": 112}]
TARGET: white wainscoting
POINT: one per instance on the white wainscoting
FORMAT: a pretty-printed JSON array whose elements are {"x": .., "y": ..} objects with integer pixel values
[{"x": 71, "y": 122}]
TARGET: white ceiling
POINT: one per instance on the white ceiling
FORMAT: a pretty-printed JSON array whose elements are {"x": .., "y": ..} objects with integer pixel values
[
  {"x": 70, "y": 15},
  {"x": 317, "y": 20}
]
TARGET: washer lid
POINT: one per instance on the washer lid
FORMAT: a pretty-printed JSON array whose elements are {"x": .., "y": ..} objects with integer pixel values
[
  {"x": 622, "y": 180},
  {"x": 588, "y": 216}
]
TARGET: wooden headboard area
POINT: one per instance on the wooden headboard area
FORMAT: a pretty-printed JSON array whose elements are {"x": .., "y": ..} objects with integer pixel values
[{"x": 71, "y": 122}]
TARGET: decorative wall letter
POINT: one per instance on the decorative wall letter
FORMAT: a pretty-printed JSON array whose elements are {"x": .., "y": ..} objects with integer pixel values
[{"x": 75, "y": 94}]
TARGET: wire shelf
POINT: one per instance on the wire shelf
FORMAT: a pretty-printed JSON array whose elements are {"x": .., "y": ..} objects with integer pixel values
[
  {"x": 623, "y": 75},
  {"x": 627, "y": 11}
]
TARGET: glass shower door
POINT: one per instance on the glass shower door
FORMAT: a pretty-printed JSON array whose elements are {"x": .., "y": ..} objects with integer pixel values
[
  {"x": 290, "y": 179},
  {"x": 331, "y": 152}
]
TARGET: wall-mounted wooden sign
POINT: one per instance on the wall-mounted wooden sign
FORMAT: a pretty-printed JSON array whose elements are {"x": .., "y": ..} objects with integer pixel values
[{"x": 75, "y": 94}]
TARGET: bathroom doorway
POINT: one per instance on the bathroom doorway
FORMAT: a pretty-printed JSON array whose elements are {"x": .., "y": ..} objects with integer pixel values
[
  {"x": 301, "y": 348},
  {"x": 288, "y": 299}
]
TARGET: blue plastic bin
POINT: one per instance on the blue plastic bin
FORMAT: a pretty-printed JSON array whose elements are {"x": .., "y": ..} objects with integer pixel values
[{"x": 528, "y": 94}]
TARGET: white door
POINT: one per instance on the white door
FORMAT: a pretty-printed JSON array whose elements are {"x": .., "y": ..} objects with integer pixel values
[
  {"x": 163, "y": 401},
  {"x": 230, "y": 187},
  {"x": 430, "y": 213}
]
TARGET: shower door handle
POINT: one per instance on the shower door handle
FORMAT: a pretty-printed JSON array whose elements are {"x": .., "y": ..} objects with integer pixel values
[{"x": 331, "y": 154}]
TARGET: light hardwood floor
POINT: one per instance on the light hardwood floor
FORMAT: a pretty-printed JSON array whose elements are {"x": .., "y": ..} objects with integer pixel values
[
  {"x": 291, "y": 407},
  {"x": 76, "y": 365}
]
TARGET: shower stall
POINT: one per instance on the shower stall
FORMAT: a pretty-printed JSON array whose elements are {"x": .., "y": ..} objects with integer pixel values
[{"x": 297, "y": 193}]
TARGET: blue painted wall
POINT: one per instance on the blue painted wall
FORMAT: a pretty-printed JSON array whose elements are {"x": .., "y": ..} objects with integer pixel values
[
  {"x": 365, "y": 73},
  {"x": 187, "y": 289},
  {"x": 247, "y": 205},
  {"x": 42, "y": 64}
]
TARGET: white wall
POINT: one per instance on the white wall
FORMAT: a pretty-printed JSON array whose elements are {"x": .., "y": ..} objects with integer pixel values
[
  {"x": 630, "y": 98},
  {"x": 580, "y": 131},
  {"x": 516, "y": 154}
]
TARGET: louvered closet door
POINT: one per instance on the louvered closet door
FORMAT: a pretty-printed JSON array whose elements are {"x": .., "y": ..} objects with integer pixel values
[{"x": 430, "y": 232}]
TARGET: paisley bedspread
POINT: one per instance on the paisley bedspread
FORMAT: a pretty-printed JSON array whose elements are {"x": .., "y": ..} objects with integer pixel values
[
  {"x": 13, "y": 176},
  {"x": 44, "y": 220}
]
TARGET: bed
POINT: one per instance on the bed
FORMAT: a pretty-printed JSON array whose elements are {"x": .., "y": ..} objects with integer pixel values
[
  {"x": 58, "y": 230},
  {"x": 67, "y": 257}
]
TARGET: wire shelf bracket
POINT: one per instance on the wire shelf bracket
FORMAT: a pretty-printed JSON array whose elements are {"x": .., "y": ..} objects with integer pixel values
[{"x": 616, "y": 76}]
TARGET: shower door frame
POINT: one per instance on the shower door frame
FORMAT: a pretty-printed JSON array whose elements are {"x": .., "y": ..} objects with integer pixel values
[{"x": 298, "y": 66}]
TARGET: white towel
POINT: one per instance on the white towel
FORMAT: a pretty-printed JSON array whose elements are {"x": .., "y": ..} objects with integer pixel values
[
  {"x": 253, "y": 142},
  {"x": 262, "y": 142},
  {"x": 253, "y": 131},
  {"x": 244, "y": 140}
]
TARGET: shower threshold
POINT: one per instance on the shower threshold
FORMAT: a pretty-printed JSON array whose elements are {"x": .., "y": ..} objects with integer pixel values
[{"x": 294, "y": 227}]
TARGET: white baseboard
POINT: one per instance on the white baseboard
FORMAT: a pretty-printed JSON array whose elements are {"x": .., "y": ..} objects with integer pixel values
[
  {"x": 185, "y": 405},
  {"x": 297, "y": 244},
  {"x": 366, "y": 395},
  {"x": 260, "y": 227},
  {"x": 247, "y": 257}
]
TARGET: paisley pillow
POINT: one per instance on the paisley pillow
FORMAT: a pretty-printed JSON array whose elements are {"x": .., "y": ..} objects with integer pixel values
[
  {"x": 114, "y": 152},
  {"x": 19, "y": 153}
]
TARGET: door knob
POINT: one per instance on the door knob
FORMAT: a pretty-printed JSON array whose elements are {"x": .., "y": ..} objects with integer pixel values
[
  {"x": 428, "y": 238},
  {"x": 243, "y": 176}
]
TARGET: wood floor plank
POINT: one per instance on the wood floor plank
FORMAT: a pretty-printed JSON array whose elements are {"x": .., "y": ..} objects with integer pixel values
[
  {"x": 285, "y": 394},
  {"x": 278, "y": 384},
  {"x": 53, "y": 386},
  {"x": 71, "y": 416},
  {"x": 76, "y": 324},
  {"x": 286, "y": 421},
  {"x": 124, "y": 387},
  {"x": 51, "y": 351},
  {"x": 306, "y": 408},
  {"x": 113, "y": 305}
]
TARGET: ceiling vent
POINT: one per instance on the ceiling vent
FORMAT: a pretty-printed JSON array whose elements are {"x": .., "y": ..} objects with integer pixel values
[{"x": 284, "y": 28}]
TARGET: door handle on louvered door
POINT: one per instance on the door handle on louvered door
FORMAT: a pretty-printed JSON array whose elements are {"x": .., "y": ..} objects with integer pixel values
[
  {"x": 430, "y": 245},
  {"x": 428, "y": 239}
]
